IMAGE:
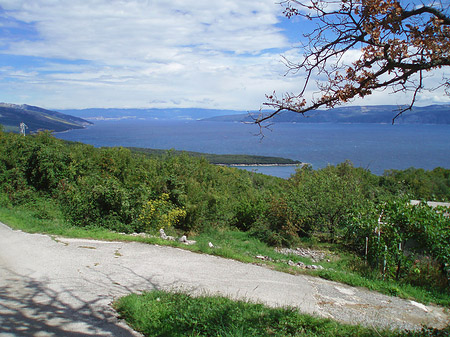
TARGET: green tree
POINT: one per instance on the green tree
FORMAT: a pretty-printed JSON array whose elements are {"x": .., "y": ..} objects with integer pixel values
[
  {"x": 322, "y": 201},
  {"x": 421, "y": 184}
]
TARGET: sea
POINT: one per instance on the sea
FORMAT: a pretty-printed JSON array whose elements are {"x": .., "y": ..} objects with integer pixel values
[{"x": 376, "y": 147}]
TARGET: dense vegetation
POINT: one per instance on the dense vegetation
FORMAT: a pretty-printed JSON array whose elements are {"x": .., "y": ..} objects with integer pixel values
[
  {"x": 108, "y": 187},
  {"x": 124, "y": 191}
]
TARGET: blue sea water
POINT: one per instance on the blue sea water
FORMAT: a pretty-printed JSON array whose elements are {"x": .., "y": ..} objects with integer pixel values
[{"x": 377, "y": 147}]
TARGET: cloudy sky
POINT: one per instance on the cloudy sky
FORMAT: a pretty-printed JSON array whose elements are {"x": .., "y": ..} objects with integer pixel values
[{"x": 221, "y": 54}]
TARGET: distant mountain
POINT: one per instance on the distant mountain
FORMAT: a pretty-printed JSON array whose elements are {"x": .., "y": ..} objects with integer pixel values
[
  {"x": 432, "y": 114},
  {"x": 187, "y": 114},
  {"x": 11, "y": 115}
]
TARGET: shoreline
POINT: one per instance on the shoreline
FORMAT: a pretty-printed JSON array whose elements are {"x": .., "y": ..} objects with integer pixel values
[{"x": 262, "y": 165}]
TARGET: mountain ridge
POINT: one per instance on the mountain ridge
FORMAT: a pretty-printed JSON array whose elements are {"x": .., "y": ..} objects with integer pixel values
[
  {"x": 38, "y": 119},
  {"x": 11, "y": 115},
  {"x": 380, "y": 114}
]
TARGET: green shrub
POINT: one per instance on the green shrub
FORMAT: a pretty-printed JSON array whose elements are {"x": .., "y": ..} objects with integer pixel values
[
  {"x": 160, "y": 213},
  {"x": 47, "y": 164},
  {"x": 98, "y": 201},
  {"x": 275, "y": 225}
]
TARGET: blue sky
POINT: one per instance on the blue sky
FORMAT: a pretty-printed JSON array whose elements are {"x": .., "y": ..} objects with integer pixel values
[{"x": 221, "y": 54}]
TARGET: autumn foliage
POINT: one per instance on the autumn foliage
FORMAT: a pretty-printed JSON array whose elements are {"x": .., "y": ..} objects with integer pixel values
[{"x": 397, "y": 44}]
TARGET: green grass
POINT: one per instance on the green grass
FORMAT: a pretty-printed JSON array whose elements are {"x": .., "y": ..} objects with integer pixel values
[
  {"x": 43, "y": 217},
  {"x": 160, "y": 313},
  {"x": 243, "y": 247},
  {"x": 26, "y": 220}
]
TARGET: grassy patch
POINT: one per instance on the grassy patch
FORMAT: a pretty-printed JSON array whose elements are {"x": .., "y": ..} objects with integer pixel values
[
  {"x": 160, "y": 313},
  {"x": 240, "y": 246},
  {"x": 23, "y": 219}
]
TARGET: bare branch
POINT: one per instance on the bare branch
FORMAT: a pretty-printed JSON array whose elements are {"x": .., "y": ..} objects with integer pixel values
[{"x": 430, "y": 10}]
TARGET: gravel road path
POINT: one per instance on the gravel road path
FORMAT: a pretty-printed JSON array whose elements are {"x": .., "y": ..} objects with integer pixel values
[{"x": 64, "y": 287}]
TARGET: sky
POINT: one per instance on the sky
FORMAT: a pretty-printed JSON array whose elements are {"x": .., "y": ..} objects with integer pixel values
[{"x": 218, "y": 54}]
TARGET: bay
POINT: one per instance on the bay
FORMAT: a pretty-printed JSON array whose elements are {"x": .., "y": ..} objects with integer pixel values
[{"x": 377, "y": 147}]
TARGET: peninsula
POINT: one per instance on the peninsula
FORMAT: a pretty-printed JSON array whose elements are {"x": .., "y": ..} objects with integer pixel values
[
  {"x": 37, "y": 119},
  {"x": 225, "y": 159}
]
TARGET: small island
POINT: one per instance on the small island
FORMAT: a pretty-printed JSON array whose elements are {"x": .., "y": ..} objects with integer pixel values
[{"x": 225, "y": 159}]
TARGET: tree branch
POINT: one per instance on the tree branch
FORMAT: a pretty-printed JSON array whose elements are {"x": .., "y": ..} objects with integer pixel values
[
  {"x": 429, "y": 10},
  {"x": 395, "y": 43}
]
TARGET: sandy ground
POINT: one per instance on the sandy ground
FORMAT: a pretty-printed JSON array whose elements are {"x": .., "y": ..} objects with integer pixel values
[{"x": 64, "y": 287}]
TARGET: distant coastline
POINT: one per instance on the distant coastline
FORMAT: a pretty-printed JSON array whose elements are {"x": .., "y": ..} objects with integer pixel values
[{"x": 263, "y": 165}]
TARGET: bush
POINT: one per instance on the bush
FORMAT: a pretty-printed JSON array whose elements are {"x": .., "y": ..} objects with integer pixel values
[
  {"x": 47, "y": 164},
  {"x": 160, "y": 213},
  {"x": 98, "y": 201},
  {"x": 275, "y": 225}
]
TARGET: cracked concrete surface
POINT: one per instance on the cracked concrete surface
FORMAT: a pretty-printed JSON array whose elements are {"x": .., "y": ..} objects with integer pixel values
[{"x": 62, "y": 286}]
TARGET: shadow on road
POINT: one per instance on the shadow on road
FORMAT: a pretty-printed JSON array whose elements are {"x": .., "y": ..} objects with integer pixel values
[{"x": 29, "y": 308}]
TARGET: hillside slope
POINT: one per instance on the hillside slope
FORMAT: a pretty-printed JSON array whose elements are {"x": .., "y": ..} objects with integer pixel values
[{"x": 11, "y": 115}]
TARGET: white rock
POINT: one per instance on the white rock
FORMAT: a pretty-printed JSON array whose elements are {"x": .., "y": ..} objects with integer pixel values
[
  {"x": 419, "y": 305},
  {"x": 301, "y": 265},
  {"x": 162, "y": 234}
]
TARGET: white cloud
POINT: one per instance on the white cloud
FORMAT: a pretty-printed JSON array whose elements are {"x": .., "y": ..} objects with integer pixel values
[
  {"x": 191, "y": 49},
  {"x": 142, "y": 53},
  {"x": 111, "y": 29}
]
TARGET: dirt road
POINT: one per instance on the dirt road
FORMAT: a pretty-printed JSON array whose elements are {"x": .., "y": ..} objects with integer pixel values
[{"x": 64, "y": 287}]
